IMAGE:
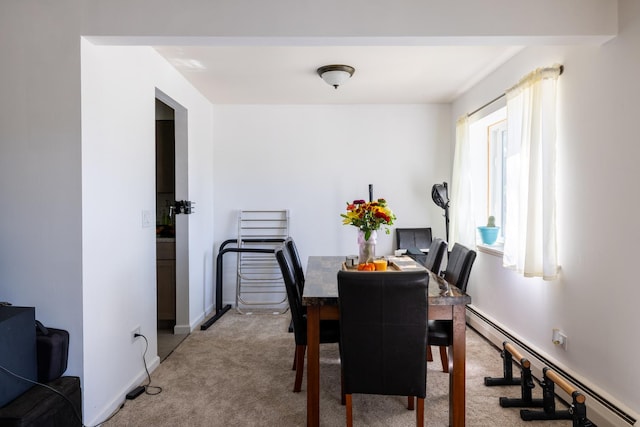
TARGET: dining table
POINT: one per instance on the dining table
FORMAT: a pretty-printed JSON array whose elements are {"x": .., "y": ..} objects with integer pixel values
[{"x": 320, "y": 297}]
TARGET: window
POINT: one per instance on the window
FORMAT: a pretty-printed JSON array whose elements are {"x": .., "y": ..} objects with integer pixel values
[
  {"x": 488, "y": 140},
  {"x": 519, "y": 175}
]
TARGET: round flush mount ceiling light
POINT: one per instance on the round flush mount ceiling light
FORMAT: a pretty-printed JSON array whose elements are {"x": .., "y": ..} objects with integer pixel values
[{"x": 336, "y": 74}]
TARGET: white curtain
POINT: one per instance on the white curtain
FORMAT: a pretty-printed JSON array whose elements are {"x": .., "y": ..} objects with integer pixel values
[
  {"x": 530, "y": 226},
  {"x": 462, "y": 227}
]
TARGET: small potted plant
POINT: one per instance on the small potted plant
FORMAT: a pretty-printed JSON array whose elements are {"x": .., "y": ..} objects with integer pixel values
[{"x": 489, "y": 232}]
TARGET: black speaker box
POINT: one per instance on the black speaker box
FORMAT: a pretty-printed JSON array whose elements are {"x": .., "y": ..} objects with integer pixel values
[{"x": 17, "y": 351}]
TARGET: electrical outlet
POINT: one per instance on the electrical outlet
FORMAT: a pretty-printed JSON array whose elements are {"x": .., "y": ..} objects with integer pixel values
[
  {"x": 559, "y": 338},
  {"x": 135, "y": 331},
  {"x": 563, "y": 341}
]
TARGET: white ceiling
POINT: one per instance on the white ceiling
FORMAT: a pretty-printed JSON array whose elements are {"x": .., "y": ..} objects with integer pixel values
[{"x": 287, "y": 74}]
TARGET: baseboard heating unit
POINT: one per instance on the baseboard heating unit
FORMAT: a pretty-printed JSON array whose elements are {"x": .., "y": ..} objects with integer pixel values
[{"x": 600, "y": 410}]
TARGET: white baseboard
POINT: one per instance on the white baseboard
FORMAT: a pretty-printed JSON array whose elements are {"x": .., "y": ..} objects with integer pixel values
[
  {"x": 187, "y": 329},
  {"x": 602, "y": 412},
  {"x": 182, "y": 329}
]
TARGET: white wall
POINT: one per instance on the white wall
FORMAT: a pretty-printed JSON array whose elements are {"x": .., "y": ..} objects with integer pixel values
[
  {"x": 119, "y": 254},
  {"x": 41, "y": 169},
  {"x": 595, "y": 299},
  {"x": 313, "y": 159},
  {"x": 40, "y": 229}
]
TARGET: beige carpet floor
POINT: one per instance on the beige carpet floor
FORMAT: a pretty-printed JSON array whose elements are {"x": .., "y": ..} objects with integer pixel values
[{"x": 238, "y": 373}]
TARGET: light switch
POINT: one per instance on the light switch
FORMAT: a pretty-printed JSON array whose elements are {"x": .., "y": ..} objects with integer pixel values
[{"x": 147, "y": 219}]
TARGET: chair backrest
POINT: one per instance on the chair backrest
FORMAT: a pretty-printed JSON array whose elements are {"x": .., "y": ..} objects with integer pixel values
[
  {"x": 459, "y": 266},
  {"x": 407, "y": 238},
  {"x": 436, "y": 253},
  {"x": 298, "y": 271},
  {"x": 293, "y": 295},
  {"x": 383, "y": 332}
]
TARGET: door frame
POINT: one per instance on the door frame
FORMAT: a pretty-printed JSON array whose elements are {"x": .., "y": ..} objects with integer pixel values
[{"x": 183, "y": 325}]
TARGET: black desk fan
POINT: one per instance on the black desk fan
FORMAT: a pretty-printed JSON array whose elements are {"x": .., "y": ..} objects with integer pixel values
[{"x": 440, "y": 196}]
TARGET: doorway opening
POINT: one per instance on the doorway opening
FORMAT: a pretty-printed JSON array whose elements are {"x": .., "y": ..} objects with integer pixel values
[{"x": 169, "y": 232}]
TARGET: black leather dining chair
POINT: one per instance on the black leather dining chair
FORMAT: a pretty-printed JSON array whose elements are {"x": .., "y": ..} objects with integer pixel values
[
  {"x": 408, "y": 238},
  {"x": 456, "y": 273},
  {"x": 434, "y": 258},
  {"x": 413, "y": 240},
  {"x": 298, "y": 271},
  {"x": 294, "y": 256},
  {"x": 383, "y": 335},
  {"x": 329, "y": 329}
]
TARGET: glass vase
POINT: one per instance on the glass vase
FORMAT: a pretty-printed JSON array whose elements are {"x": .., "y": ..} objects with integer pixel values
[{"x": 367, "y": 248}]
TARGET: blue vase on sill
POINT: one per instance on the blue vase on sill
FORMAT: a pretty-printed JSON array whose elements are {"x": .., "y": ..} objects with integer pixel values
[{"x": 489, "y": 235}]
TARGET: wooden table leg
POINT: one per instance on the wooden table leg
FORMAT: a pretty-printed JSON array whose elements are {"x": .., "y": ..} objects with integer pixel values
[
  {"x": 313, "y": 365},
  {"x": 457, "y": 374}
]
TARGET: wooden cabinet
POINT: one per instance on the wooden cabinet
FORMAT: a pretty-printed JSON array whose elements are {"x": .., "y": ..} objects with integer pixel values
[{"x": 166, "y": 280}]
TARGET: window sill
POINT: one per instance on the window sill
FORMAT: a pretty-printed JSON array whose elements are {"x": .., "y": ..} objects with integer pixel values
[{"x": 495, "y": 250}]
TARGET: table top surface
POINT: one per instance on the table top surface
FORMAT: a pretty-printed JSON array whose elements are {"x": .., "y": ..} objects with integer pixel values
[{"x": 321, "y": 282}]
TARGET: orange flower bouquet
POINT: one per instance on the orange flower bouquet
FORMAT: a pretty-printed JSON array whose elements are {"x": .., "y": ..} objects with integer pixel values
[{"x": 368, "y": 216}]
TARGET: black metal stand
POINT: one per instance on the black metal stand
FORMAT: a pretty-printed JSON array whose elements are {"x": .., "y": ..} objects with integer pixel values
[
  {"x": 440, "y": 196},
  {"x": 577, "y": 412},
  {"x": 525, "y": 380},
  {"x": 220, "y": 310}
]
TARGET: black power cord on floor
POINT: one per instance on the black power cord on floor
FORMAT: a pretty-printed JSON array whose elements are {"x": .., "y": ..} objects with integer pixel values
[
  {"x": 157, "y": 389},
  {"x": 138, "y": 390}
]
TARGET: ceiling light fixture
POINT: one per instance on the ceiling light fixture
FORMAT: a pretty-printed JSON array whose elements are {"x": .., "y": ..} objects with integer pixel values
[{"x": 335, "y": 75}]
